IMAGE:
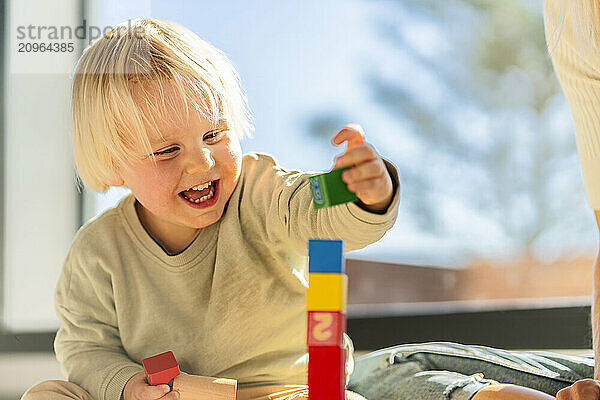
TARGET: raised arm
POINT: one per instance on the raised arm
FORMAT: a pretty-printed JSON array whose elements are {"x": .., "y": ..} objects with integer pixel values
[
  {"x": 376, "y": 185},
  {"x": 282, "y": 206}
]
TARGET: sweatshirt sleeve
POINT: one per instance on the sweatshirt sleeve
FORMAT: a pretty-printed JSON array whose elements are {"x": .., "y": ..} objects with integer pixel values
[
  {"x": 577, "y": 67},
  {"x": 290, "y": 209},
  {"x": 87, "y": 345}
]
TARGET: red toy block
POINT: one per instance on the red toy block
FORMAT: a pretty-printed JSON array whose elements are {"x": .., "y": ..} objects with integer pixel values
[
  {"x": 326, "y": 328},
  {"x": 161, "y": 368},
  {"x": 326, "y": 373}
]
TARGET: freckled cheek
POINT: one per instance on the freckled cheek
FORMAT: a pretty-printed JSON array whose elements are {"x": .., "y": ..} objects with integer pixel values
[
  {"x": 234, "y": 157},
  {"x": 230, "y": 176},
  {"x": 158, "y": 187}
]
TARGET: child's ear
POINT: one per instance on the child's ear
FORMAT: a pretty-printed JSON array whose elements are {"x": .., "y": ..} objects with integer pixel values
[{"x": 117, "y": 181}]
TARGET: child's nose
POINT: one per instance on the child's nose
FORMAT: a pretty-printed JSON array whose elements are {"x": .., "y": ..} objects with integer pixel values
[{"x": 199, "y": 161}]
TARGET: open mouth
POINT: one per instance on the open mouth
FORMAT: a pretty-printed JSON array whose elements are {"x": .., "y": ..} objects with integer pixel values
[{"x": 201, "y": 194}]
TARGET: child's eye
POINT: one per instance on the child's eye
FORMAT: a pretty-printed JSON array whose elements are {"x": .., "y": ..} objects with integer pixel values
[
  {"x": 214, "y": 136},
  {"x": 167, "y": 151},
  {"x": 211, "y": 135}
]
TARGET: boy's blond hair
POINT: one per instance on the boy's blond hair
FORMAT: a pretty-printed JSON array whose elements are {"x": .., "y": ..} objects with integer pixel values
[{"x": 119, "y": 93}]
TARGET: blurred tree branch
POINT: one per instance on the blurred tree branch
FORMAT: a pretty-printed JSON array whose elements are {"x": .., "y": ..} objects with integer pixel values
[{"x": 491, "y": 63}]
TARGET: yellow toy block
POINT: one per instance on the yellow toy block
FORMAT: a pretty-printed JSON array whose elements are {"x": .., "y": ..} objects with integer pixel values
[{"x": 327, "y": 292}]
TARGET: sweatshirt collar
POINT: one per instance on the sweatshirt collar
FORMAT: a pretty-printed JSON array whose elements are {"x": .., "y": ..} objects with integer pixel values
[{"x": 195, "y": 252}]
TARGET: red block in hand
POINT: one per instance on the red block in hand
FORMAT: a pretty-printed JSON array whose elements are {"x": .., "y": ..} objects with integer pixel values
[
  {"x": 326, "y": 373},
  {"x": 161, "y": 368},
  {"x": 326, "y": 328}
]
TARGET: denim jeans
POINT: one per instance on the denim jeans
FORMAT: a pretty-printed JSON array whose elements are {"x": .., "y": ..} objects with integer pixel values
[{"x": 452, "y": 371}]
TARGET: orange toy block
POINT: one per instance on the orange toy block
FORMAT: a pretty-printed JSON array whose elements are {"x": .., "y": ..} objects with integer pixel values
[
  {"x": 326, "y": 373},
  {"x": 326, "y": 328},
  {"x": 161, "y": 368}
]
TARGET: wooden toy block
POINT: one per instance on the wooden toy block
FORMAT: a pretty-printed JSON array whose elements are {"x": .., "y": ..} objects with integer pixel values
[
  {"x": 329, "y": 189},
  {"x": 326, "y": 373},
  {"x": 326, "y": 328},
  {"x": 326, "y": 256},
  {"x": 195, "y": 387},
  {"x": 161, "y": 368},
  {"x": 327, "y": 292}
]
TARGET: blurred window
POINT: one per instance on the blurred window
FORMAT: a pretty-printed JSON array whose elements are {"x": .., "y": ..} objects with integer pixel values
[{"x": 459, "y": 94}]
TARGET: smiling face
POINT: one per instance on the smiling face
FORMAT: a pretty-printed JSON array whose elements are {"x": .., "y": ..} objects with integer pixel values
[{"x": 195, "y": 155}]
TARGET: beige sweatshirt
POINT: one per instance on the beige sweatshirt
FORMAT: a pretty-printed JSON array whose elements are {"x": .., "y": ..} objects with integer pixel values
[
  {"x": 231, "y": 305},
  {"x": 578, "y": 71}
]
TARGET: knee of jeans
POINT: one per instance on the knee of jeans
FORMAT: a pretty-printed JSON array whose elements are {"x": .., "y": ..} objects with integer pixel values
[
  {"x": 383, "y": 359},
  {"x": 445, "y": 385},
  {"x": 368, "y": 364},
  {"x": 476, "y": 380}
]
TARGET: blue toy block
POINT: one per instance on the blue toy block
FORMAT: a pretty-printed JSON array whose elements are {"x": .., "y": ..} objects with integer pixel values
[{"x": 326, "y": 256}]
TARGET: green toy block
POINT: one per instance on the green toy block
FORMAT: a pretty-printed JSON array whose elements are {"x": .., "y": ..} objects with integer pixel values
[{"x": 329, "y": 189}]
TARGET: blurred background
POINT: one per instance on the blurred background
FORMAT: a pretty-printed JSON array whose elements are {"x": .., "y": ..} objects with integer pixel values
[{"x": 494, "y": 242}]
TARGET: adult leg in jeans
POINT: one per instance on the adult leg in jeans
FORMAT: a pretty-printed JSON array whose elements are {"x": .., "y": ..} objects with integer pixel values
[{"x": 453, "y": 371}]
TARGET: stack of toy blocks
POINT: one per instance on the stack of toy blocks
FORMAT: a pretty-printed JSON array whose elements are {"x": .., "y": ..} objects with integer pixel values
[{"x": 326, "y": 299}]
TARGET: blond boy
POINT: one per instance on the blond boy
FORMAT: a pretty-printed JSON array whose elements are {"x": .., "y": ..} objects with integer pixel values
[{"x": 206, "y": 256}]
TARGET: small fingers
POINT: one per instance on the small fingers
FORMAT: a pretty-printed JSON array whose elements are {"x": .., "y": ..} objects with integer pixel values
[
  {"x": 563, "y": 394},
  {"x": 580, "y": 390},
  {"x": 172, "y": 395},
  {"x": 351, "y": 133},
  {"x": 155, "y": 392},
  {"x": 367, "y": 170},
  {"x": 355, "y": 156},
  {"x": 370, "y": 191}
]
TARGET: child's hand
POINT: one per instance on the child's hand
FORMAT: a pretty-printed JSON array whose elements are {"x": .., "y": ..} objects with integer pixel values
[
  {"x": 137, "y": 388},
  {"x": 368, "y": 176}
]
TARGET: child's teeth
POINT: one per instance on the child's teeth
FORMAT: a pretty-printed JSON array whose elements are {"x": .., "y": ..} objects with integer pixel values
[
  {"x": 201, "y": 187},
  {"x": 204, "y": 198}
]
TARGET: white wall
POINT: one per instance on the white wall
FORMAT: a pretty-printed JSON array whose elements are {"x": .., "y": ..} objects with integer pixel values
[{"x": 40, "y": 199}]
